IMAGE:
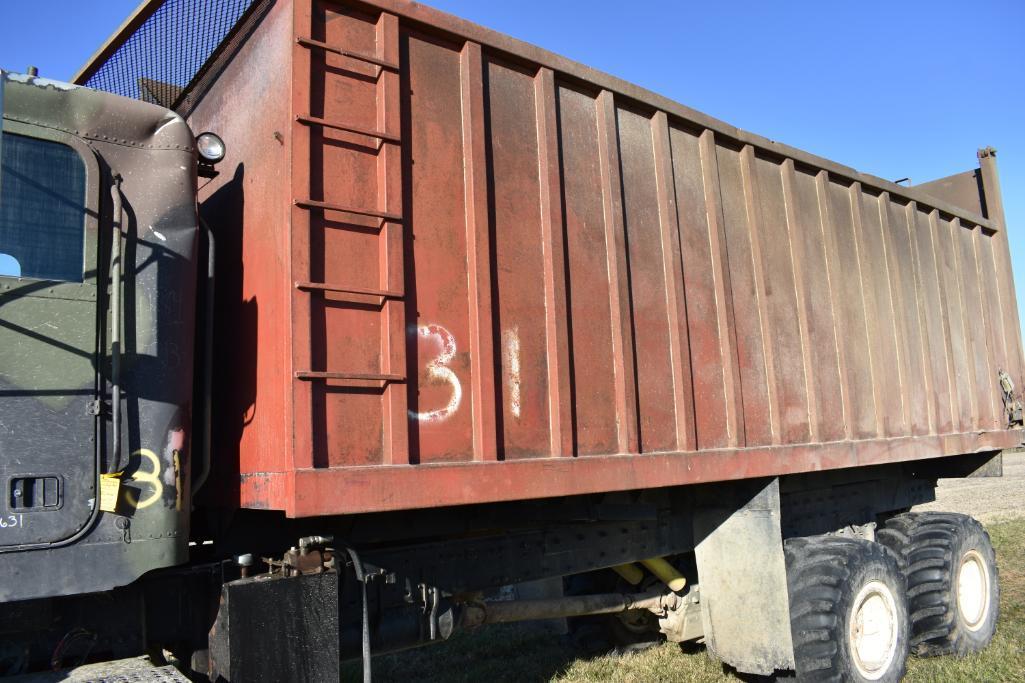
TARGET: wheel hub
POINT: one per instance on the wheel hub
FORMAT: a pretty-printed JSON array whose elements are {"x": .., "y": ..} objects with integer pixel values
[
  {"x": 873, "y": 630},
  {"x": 973, "y": 590}
]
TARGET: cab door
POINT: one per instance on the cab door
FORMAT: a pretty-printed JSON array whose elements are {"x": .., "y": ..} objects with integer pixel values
[{"x": 49, "y": 214}]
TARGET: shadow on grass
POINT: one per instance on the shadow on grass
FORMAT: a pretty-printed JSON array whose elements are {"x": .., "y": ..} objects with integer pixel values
[{"x": 506, "y": 652}]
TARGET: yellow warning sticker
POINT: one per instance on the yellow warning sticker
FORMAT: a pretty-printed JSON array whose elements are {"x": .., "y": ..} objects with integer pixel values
[{"x": 110, "y": 488}]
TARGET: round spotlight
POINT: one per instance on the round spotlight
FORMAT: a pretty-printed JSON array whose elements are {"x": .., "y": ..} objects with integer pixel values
[{"x": 210, "y": 147}]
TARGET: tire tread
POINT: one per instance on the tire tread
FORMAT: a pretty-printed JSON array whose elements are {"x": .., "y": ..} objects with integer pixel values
[
  {"x": 925, "y": 544},
  {"x": 819, "y": 572}
]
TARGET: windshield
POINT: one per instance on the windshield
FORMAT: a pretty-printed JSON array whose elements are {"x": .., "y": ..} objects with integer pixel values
[{"x": 42, "y": 209}]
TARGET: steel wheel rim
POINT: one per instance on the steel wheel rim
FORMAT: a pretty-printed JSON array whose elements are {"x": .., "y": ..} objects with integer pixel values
[
  {"x": 973, "y": 590},
  {"x": 873, "y": 630}
]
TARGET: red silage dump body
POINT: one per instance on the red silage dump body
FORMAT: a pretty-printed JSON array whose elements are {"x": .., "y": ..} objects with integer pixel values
[{"x": 455, "y": 268}]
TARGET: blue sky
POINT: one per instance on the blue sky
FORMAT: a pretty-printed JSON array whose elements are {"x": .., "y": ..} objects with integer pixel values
[{"x": 907, "y": 89}]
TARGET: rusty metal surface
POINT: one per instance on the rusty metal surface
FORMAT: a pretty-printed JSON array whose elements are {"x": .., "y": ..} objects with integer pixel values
[
  {"x": 248, "y": 206},
  {"x": 486, "y": 273}
]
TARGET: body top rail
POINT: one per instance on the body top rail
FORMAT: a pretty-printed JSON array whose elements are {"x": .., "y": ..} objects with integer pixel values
[{"x": 575, "y": 71}]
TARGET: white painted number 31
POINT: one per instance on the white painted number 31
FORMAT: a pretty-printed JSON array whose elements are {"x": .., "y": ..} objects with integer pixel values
[{"x": 438, "y": 371}]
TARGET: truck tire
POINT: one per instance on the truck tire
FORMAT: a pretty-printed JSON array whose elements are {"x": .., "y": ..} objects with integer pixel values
[
  {"x": 953, "y": 583},
  {"x": 837, "y": 587}
]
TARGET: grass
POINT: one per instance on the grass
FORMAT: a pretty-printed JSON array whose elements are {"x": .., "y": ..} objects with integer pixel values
[{"x": 514, "y": 653}]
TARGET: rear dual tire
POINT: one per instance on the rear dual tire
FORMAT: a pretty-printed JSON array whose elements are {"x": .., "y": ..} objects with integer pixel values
[
  {"x": 848, "y": 610},
  {"x": 953, "y": 582}
]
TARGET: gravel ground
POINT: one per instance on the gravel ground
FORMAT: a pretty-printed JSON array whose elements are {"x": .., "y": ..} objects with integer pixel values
[{"x": 988, "y": 499}]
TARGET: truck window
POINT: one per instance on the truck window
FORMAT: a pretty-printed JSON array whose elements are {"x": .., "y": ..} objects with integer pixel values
[{"x": 42, "y": 210}]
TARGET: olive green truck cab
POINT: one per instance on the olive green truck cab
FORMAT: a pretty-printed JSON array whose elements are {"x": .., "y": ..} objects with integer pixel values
[{"x": 98, "y": 247}]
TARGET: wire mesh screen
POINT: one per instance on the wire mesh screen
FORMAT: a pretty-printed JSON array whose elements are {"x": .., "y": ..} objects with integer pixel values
[{"x": 159, "y": 61}]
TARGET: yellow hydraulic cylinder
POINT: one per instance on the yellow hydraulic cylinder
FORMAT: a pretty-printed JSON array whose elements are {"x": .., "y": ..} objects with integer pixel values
[
  {"x": 666, "y": 572},
  {"x": 630, "y": 572}
]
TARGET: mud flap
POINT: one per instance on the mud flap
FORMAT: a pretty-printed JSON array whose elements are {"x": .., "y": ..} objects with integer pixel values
[
  {"x": 277, "y": 629},
  {"x": 742, "y": 573}
]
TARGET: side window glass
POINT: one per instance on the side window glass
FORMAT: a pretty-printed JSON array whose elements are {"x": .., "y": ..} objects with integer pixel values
[{"x": 42, "y": 210}]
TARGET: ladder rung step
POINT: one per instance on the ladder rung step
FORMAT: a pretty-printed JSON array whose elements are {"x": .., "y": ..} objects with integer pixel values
[
  {"x": 314, "y": 204},
  {"x": 350, "y": 290},
  {"x": 351, "y": 376},
  {"x": 369, "y": 59},
  {"x": 314, "y": 121},
  {"x": 344, "y": 289}
]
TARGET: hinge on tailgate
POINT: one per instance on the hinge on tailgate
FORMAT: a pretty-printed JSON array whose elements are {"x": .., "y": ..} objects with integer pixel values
[{"x": 1012, "y": 406}]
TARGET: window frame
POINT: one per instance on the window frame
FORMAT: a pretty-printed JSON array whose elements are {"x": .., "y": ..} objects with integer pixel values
[{"x": 60, "y": 289}]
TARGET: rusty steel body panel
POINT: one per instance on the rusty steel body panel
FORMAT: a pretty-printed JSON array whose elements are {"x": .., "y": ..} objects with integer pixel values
[{"x": 472, "y": 270}]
